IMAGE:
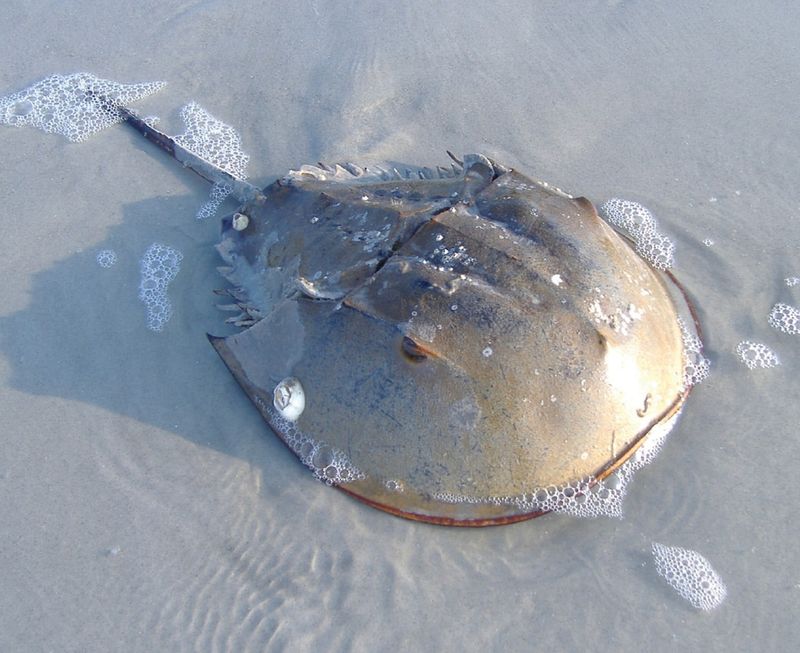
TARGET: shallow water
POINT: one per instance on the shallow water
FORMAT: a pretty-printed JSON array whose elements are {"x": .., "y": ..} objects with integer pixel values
[{"x": 145, "y": 506}]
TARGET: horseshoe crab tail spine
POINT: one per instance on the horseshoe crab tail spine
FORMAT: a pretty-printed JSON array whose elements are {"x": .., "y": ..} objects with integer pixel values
[{"x": 241, "y": 190}]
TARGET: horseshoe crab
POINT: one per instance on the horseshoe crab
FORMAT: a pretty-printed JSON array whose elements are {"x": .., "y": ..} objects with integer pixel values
[{"x": 444, "y": 345}]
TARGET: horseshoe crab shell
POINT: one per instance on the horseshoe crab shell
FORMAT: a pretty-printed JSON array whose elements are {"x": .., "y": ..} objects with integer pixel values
[{"x": 462, "y": 338}]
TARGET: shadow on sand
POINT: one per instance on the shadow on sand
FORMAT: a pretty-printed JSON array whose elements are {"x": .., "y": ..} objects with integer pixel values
[{"x": 83, "y": 334}]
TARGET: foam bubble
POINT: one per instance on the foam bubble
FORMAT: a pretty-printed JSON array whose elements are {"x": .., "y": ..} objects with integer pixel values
[
  {"x": 213, "y": 140},
  {"x": 219, "y": 144},
  {"x": 70, "y": 105},
  {"x": 756, "y": 354},
  {"x": 159, "y": 267},
  {"x": 786, "y": 318},
  {"x": 329, "y": 464},
  {"x": 218, "y": 194},
  {"x": 791, "y": 281},
  {"x": 640, "y": 225},
  {"x": 690, "y": 574},
  {"x": 106, "y": 258},
  {"x": 696, "y": 367}
]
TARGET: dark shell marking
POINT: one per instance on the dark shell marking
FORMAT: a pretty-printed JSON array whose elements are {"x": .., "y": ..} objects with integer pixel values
[{"x": 465, "y": 337}]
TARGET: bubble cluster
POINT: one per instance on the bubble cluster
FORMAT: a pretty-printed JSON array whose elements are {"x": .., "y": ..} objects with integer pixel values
[
  {"x": 786, "y": 318},
  {"x": 218, "y": 194},
  {"x": 74, "y": 105},
  {"x": 756, "y": 354},
  {"x": 106, "y": 258},
  {"x": 329, "y": 464},
  {"x": 695, "y": 366},
  {"x": 640, "y": 225},
  {"x": 690, "y": 574},
  {"x": 212, "y": 140},
  {"x": 217, "y": 143},
  {"x": 791, "y": 281},
  {"x": 586, "y": 497},
  {"x": 159, "y": 267}
]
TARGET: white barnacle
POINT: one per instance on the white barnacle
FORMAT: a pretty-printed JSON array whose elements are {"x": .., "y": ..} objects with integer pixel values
[
  {"x": 240, "y": 221},
  {"x": 289, "y": 398}
]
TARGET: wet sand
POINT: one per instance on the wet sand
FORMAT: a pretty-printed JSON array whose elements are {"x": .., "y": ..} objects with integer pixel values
[{"x": 146, "y": 506}]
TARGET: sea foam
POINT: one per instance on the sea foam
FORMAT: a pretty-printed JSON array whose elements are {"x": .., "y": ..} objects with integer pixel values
[
  {"x": 159, "y": 267},
  {"x": 74, "y": 106},
  {"x": 640, "y": 224},
  {"x": 219, "y": 144},
  {"x": 756, "y": 354},
  {"x": 691, "y": 575}
]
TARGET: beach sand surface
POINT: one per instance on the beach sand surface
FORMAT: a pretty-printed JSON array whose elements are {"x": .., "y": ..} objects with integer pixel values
[{"x": 145, "y": 505}]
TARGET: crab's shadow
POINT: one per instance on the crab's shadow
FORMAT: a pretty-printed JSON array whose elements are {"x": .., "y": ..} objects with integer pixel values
[{"x": 83, "y": 334}]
